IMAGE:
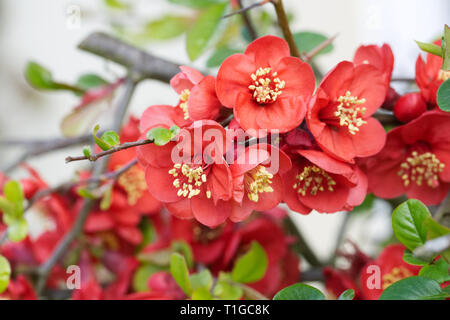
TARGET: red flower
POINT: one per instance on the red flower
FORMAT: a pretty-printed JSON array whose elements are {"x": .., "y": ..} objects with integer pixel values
[
  {"x": 415, "y": 161},
  {"x": 197, "y": 185},
  {"x": 430, "y": 76},
  {"x": 317, "y": 181},
  {"x": 340, "y": 113},
  {"x": 267, "y": 88},
  {"x": 19, "y": 289},
  {"x": 198, "y": 99},
  {"x": 257, "y": 180},
  {"x": 381, "y": 58},
  {"x": 409, "y": 107},
  {"x": 391, "y": 268}
]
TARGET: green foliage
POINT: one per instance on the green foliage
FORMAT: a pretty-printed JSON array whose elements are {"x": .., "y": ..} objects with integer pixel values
[
  {"x": 197, "y": 4},
  {"x": 108, "y": 139},
  {"x": 91, "y": 80},
  {"x": 300, "y": 291},
  {"x": 443, "y": 96},
  {"x": 410, "y": 258},
  {"x": 184, "y": 248},
  {"x": 437, "y": 271},
  {"x": 219, "y": 56},
  {"x": 414, "y": 288},
  {"x": 5, "y": 273},
  {"x": 13, "y": 212},
  {"x": 200, "y": 34},
  {"x": 408, "y": 222},
  {"x": 167, "y": 27},
  {"x": 142, "y": 274},
  {"x": 446, "y": 49},
  {"x": 252, "y": 266},
  {"x": 347, "y": 295},
  {"x": 161, "y": 136},
  {"x": 307, "y": 41},
  {"x": 87, "y": 151},
  {"x": 117, "y": 4},
  {"x": 225, "y": 289},
  {"x": 201, "y": 285},
  {"x": 180, "y": 273},
  {"x": 430, "y": 48}
]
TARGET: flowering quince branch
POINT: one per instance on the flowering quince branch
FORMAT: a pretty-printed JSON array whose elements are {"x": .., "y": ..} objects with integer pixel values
[
  {"x": 308, "y": 56},
  {"x": 120, "y": 147},
  {"x": 242, "y": 10},
  {"x": 284, "y": 25},
  {"x": 248, "y": 23}
]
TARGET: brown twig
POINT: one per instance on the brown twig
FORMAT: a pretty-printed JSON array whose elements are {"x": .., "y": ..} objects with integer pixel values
[
  {"x": 248, "y": 23},
  {"x": 245, "y": 9},
  {"x": 284, "y": 25},
  {"x": 319, "y": 48},
  {"x": 95, "y": 157}
]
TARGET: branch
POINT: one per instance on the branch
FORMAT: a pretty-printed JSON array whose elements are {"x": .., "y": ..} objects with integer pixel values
[
  {"x": 443, "y": 209},
  {"x": 301, "y": 245},
  {"x": 95, "y": 157},
  {"x": 433, "y": 247},
  {"x": 386, "y": 117},
  {"x": 314, "y": 274},
  {"x": 45, "y": 269},
  {"x": 284, "y": 25},
  {"x": 242, "y": 10},
  {"x": 248, "y": 23},
  {"x": 137, "y": 61},
  {"x": 319, "y": 48}
]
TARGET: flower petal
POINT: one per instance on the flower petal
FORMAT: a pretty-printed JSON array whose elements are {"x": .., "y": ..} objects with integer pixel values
[{"x": 267, "y": 51}]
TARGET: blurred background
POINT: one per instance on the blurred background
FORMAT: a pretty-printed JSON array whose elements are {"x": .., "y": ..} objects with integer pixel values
[{"x": 48, "y": 31}]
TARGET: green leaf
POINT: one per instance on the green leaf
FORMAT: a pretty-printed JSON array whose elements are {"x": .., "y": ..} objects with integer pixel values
[
  {"x": 299, "y": 291},
  {"x": 142, "y": 274},
  {"x": 18, "y": 230},
  {"x": 5, "y": 273},
  {"x": 180, "y": 273},
  {"x": 307, "y": 41},
  {"x": 446, "y": 48},
  {"x": 347, "y": 295},
  {"x": 219, "y": 56},
  {"x": 443, "y": 96},
  {"x": 6, "y": 206},
  {"x": 105, "y": 203},
  {"x": 202, "y": 280},
  {"x": 13, "y": 192},
  {"x": 430, "y": 48},
  {"x": 91, "y": 80},
  {"x": 161, "y": 136},
  {"x": 111, "y": 138},
  {"x": 201, "y": 294},
  {"x": 184, "y": 248},
  {"x": 102, "y": 144},
  {"x": 39, "y": 77},
  {"x": 85, "y": 193},
  {"x": 408, "y": 222},
  {"x": 197, "y": 4},
  {"x": 117, "y": 4},
  {"x": 413, "y": 288},
  {"x": 225, "y": 289},
  {"x": 202, "y": 31},
  {"x": 167, "y": 27},
  {"x": 87, "y": 151},
  {"x": 252, "y": 266},
  {"x": 410, "y": 258},
  {"x": 437, "y": 271}
]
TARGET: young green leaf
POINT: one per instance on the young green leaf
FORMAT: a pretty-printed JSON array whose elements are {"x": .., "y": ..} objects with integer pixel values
[
  {"x": 180, "y": 273},
  {"x": 219, "y": 56},
  {"x": 102, "y": 144},
  {"x": 225, "y": 289},
  {"x": 443, "y": 96},
  {"x": 202, "y": 31},
  {"x": 117, "y": 4},
  {"x": 430, "y": 48},
  {"x": 201, "y": 294},
  {"x": 91, "y": 80},
  {"x": 18, "y": 230},
  {"x": 5, "y": 273},
  {"x": 410, "y": 258},
  {"x": 252, "y": 266},
  {"x": 437, "y": 271},
  {"x": 414, "y": 288},
  {"x": 307, "y": 41},
  {"x": 105, "y": 203},
  {"x": 299, "y": 291},
  {"x": 13, "y": 192},
  {"x": 347, "y": 295},
  {"x": 167, "y": 27},
  {"x": 87, "y": 151},
  {"x": 39, "y": 77},
  {"x": 160, "y": 136},
  {"x": 446, "y": 48},
  {"x": 202, "y": 280},
  {"x": 111, "y": 138},
  {"x": 6, "y": 206},
  {"x": 142, "y": 274},
  {"x": 408, "y": 223},
  {"x": 184, "y": 248}
]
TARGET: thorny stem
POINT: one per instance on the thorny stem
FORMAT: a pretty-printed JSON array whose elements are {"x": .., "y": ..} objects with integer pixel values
[
  {"x": 284, "y": 25},
  {"x": 99, "y": 167}
]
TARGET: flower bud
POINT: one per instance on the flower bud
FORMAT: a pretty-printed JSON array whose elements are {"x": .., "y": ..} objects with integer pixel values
[
  {"x": 390, "y": 100},
  {"x": 409, "y": 107}
]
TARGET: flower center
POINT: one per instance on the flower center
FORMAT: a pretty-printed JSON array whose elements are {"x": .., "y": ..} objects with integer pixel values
[
  {"x": 133, "y": 182},
  {"x": 184, "y": 96},
  {"x": 421, "y": 168},
  {"x": 348, "y": 112},
  {"x": 443, "y": 75},
  {"x": 397, "y": 273},
  {"x": 314, "y": 179},
  {"x": 266, "y": 86},
  {"x": 188, "y": 180},
  {"x": 258, "y": 181}
]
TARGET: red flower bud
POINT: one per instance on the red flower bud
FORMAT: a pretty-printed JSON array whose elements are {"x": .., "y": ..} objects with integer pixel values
[
  {"x": 30, "y": 187},
  {"x": 390, "y": 100},
  {"x": 409, "y": 107}
]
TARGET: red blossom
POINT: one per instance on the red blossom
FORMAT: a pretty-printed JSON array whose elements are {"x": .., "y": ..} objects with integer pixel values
[
  {"x": 266, "y": 87},
  {"x": 19, "y": 289},
  {"x": 339, "y": 117},
  {"x": 409, "y": 107},
  {"x": 415, "y": 161},
  {"x": 317, "y": 181}
]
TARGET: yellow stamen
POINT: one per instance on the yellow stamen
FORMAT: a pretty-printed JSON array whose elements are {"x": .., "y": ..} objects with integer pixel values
[
  {"x": 421, "y": 167},
  {"x": 187, "y": 179},
  {"x": 266, "y": 87},
  {"x": 314, "y": 179},
  {"x": 349, "y": 115},
  {"x": 184, "y": 96},
  {"x": 133, "y": 182},
  {"x": 258, "y": 180},
  {"x": 397, "y": 273}
]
